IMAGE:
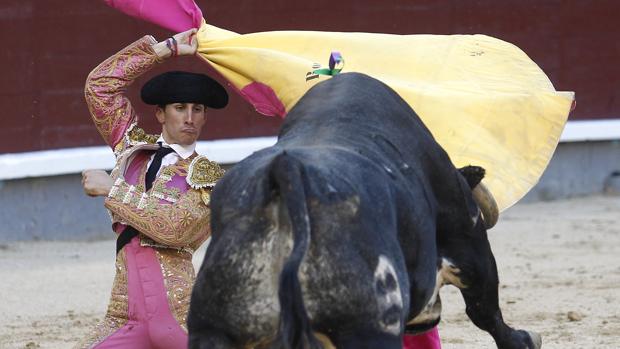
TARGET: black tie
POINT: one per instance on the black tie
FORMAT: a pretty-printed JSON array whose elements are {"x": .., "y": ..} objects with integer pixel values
[
  {"x": 155, "y": 165},
  {"x": 125, "y": 237}
]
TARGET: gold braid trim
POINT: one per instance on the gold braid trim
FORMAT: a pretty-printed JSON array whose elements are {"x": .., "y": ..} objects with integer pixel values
[
  {"x": 136, "y": 135},
  {"x": 178, "y": 273},
  {"x": 181, "y": 224},
  {"x": 105, "y": 88},
  {"x": 203, "y": 173}
]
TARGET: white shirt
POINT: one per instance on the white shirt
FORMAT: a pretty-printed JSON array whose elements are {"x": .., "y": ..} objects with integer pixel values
[{"x": 180, "y": 152}]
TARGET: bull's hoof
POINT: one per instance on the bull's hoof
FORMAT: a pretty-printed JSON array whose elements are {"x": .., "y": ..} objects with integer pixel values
[
  {"x": 520, "y": 339},
  {"x": 536, "y": 339}
]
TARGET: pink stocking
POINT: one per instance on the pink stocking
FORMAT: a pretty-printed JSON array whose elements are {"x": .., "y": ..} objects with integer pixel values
[{"x": 426, "y": 340}]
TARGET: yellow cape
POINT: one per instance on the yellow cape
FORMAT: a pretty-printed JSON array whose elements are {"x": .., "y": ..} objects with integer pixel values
[{"x": 484, "y": 100}]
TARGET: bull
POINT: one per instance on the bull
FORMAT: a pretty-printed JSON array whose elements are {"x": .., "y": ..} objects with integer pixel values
[{"x": 341, "y": 234}]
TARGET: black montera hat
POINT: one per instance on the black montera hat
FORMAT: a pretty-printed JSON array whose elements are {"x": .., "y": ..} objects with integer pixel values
[{"x": 184, "y": 87}]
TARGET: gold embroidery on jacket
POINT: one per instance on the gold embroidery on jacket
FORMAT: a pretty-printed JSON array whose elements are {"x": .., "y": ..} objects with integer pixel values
[
  {"x": 136, "y": 135},
  {"x": 160, "y": 188},
  {"x": 205, "y": 195},
  {"x": 108, "y": 107},
  {"x": 146, "y": 241},
  {"x": 203, "y": 173},
  {"x": 175, "y": 225},
  {"x": 178, "y": 273},
  {"x": 178, "y": 224}
]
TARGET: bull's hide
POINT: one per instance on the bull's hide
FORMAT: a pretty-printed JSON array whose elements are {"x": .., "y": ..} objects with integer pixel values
[{"x": 340, "y": 228}]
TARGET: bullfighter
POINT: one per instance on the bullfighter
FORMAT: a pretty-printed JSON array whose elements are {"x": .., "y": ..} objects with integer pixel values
[{"x": 157, "y": 194}]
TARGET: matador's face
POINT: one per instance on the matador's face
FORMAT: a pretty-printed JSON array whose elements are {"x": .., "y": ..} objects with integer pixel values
[{"x": 181, "y": 122}]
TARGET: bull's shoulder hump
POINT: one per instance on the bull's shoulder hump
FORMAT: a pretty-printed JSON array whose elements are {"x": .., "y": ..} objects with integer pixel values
[{"x": 203, "y": 173}]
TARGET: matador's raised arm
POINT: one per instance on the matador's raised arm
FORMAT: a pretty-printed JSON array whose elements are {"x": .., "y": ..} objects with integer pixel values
[{"x": 106, "y": 85}]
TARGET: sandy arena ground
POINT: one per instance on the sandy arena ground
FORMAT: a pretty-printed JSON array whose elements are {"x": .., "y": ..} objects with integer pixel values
[{"x": 559, "y": 266}]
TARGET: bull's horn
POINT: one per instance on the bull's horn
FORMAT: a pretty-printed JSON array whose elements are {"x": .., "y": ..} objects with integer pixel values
[{"x": 487, "y": 204}]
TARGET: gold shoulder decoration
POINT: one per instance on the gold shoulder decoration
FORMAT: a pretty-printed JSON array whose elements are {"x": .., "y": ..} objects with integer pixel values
[
  {"x": 205, "y": 195},
  {"x": 203, "y": 173},
  {"x": 135, "y": 135}
]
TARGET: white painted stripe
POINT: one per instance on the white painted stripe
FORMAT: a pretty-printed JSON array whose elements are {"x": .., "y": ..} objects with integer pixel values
[
  {"x": 226, "y": 151},
  {"x": 591, "y": 130},
  {"x": 75, "y": 160}
]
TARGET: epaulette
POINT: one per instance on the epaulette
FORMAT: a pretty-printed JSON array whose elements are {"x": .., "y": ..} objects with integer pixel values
[
  {"x": 136, "y": 135},
  {"x": 202, "y": 175}
]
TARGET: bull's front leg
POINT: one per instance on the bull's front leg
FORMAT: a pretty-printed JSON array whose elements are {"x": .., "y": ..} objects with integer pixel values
[{"x": 471, "y": 261}]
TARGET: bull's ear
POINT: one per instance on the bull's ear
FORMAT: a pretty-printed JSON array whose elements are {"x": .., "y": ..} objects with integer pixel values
[{"x": 473, "y": 175}]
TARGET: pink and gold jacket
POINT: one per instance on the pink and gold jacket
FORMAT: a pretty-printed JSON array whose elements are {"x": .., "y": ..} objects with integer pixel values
[{"x": 173, "y": 216}]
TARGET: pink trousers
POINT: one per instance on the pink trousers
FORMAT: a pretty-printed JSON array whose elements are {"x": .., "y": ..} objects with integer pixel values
[
  {"x": 151, "y": 325},
  {"x": 426, "y": 340}
]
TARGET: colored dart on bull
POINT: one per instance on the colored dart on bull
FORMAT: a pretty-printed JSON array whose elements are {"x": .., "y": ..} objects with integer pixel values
[{"x": 336, "y": 64}]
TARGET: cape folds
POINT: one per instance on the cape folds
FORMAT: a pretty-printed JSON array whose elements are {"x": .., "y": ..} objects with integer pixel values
[{"x": 484, "y": 100}]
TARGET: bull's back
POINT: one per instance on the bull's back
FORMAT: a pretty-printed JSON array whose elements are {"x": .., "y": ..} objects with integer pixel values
[
  {"x": 352, "y": 111},
  {"x": 356, "y": 112}
]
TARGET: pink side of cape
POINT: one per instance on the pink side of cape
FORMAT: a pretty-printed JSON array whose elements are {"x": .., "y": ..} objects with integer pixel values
[
  {"x": 264, "y": 99},
  {"x": 181, "y": 15},
  {"x": 175, "y": 15}
]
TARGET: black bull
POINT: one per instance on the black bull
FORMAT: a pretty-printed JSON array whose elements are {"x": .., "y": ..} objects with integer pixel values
[{"x": 342, "y": 233}]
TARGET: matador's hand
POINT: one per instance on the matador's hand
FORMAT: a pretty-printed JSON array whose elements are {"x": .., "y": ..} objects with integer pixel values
[
  {"x": 187, "y": 42},
  {"x": 96, "y": 182},
  {"x": 184, "y": 44}
]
